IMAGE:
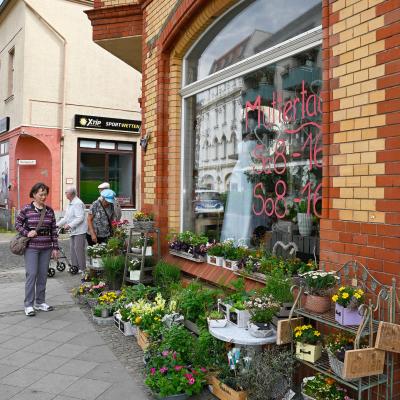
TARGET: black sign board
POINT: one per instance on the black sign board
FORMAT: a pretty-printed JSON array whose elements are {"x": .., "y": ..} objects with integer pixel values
[
  {"x": 4, "y": 124},
  {"x": 106, "y": 124}
]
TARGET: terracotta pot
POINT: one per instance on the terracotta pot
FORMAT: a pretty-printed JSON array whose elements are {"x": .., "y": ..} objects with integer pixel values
[{"x": 317, "y": 304}]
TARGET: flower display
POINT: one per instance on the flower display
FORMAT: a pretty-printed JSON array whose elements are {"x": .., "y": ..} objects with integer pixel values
[
  {"x": 108, "y": 298},
  {"x": 319, "y": 282},
  {"x": 97, "y": 250},
  {"x": 167, "y": 376},
  {"x": 349, "y": 297},
  {"x": 189, "y": 242},
  {"x": 134, "y": 264},
  {"x": 142, "y": 216},
  {"x": 321, "y": 387},
  {"x": 119, "y": 229},
  {"x": 262, "y": 308},
  {"x": 307, "y": 334}
]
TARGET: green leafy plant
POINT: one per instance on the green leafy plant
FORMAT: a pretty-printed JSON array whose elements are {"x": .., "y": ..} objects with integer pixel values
[
  {"x": 349, "y": 297},
  {"x": 113, "y": 269},
  {"x": 216, "y": 315},
  {"x": 99, "y": 308},
  {"x": 134, "y": 264},
  {"x": 306, "y": 334},
  {"x": 97, "y": 250},
  {"x": 115, "y": 246},
  {"x": 216, "y": 250},
  {"x": 262, "y": 308},
  {"x": 302, "y": 207},
  {"x": 208, "y": 351},
  {"x": 278, "y": 286},
  {"x": 319, "y": 282},
  {"x": 268, "y": 375},
  {"x": 139, "y": 242},
  {"x": 165, "y": 274}
]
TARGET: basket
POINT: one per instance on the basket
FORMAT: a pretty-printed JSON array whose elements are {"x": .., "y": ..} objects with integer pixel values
[
  {"x": 143, "y": 225},
  {"x": 337, "y": 366}
]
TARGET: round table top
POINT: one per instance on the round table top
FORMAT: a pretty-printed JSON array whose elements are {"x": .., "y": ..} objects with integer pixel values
[{"x": 232, "y": 334}]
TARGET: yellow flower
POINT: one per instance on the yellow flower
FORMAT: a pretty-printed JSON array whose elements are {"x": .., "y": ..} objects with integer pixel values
[
  {"x": 357, "y": 296},
  {"x": 316, "y": 333},
  {"x": 297, "y": 334},
  {"x": 138, "y": 320},
  {"x": 360, "y": 291},
  {"x": 335, "y": 298},
  {"x": 297, "y": 328},
  {"x": 345, "y": 295},
  {"x": 341, "y": 289}
]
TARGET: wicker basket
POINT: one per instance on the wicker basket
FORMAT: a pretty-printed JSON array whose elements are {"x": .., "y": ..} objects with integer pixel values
[
  {"x": 143, "y": 225},
  {"x": 337, "y": 366}
]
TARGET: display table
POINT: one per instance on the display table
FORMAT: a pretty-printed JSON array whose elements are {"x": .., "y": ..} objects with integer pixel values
[{"x": 240, "y": 336}]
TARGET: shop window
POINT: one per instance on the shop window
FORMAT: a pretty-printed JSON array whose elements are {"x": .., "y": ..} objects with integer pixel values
[
  {"x": 248, "y": 29},
  {"x": 4, "y": 172},
  {"x": 107, "y": 162},
  {"x": 275, "y": 160}
]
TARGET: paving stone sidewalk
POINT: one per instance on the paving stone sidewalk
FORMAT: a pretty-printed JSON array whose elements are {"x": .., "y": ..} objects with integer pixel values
[{"x": 57, "y": 355}]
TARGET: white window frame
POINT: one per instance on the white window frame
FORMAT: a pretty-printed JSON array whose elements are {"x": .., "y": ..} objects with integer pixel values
[{"x": 285, "y": 49}]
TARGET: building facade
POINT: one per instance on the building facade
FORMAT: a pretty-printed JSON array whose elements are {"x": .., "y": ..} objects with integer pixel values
[{"x": 64, "y": 119}]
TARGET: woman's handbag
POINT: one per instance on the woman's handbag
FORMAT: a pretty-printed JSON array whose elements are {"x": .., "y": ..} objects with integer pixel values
[{"x": 19, "y": 242}]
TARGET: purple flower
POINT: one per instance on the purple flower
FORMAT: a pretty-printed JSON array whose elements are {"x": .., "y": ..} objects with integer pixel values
[
  {"x": 163, "y": 370},
  {"x": 165, "y": 353},
  {"x": 178, "y": 367},
  {"x": 153, "y": 371}
]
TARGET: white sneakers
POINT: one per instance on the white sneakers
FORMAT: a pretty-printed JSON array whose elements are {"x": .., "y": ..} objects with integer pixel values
[
  {"x": 43, "y": 307},
  {"x": 29, "y": 311}
]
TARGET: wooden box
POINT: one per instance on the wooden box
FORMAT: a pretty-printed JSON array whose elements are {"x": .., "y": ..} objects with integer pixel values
[
  {"x": 363, "y": 362},
  {"x": 224, "y": 392},
  {"x": 388, "y": 337},
  {"x": 285, "y": 328},
  {"x": 142, "y": 339},
  {"x": 308, "y": 352}
]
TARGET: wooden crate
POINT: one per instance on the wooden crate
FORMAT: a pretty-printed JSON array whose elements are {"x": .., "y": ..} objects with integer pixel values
[
  {"x": 224, "y": 392},
  {"x": 285, "y": 328},
  {"x": 363, "y": 362},
  {"x": 388, "y": 337},
  {"x": 142, "y": 339}
]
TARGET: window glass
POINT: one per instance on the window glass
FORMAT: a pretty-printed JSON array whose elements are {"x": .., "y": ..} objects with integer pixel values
[
  {"x": 4, "y": 172},
  {"x": 125, "y": 146},
  {"x": 92, "y": 173},
  {"x": 107, "y": 145},
  {"x": 89, "y": 144},
  {"x": 250, "y": 175},
  {"x": 119, "y": 177},
  {"x": 249, "y": 28}
]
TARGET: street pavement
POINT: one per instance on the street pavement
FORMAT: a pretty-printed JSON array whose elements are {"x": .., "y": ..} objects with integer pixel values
[{"x": 62, "y": 355}]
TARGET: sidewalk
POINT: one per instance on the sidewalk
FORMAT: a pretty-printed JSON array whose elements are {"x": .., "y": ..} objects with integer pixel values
[{"x": 56, "y": 355}]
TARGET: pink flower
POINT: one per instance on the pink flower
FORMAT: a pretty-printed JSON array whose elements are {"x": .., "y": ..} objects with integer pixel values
[
  {"x": 191, "y": 381},
  {"x": 178, "y": 367},
  {"x": 165, "y": 353},
  {"x": 163, "y": 370},
  {"x": 202, "y": 369},
  {"x": 174, "y": 355},
  {"x": 153, "y": 371}
]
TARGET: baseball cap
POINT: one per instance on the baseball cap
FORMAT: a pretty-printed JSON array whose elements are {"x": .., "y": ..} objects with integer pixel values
[
  {"x": 104, "y": 185},
  {"x": 108, "y": 195}
]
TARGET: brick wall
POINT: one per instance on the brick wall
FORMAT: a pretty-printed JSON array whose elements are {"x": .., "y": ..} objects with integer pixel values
[
  {"x": 361, "y": 132},
  {"x": 113, "y": 3}
]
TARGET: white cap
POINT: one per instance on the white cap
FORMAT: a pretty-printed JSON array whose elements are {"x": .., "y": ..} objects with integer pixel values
[{"x": 104, "y": 185}]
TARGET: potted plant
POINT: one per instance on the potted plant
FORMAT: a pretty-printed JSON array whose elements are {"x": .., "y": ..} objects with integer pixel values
[
  {"x": 101, "y": 311},
  {"x": 169, "y": 379},
  {"x": 114, "y": 270},
  {"x": 216, "y": 319},
  {"x": 304, "y": 219},
  {"x": 262, "y": 310},
  {"x": 320, "y": 387},
  {"x": 96, "y": 252},
  {"x": 232, "y": 255},
  {"x": 215, "y": 254},
  {"x": 134, "y": 269},
  {"x": 318, "y": 285},
  {"x": 143, "y": 221},
  {"x": 308, "y": 343},
  {"x": 188, "y": 245},
  {"x": 238, "y": 314},
  {"x": 121, "y": 321},
  {"x": 138, "y": 246},
  {"x": 347, "y": 300}
]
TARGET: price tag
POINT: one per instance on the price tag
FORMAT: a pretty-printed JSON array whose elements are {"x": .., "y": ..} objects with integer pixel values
[{"x": 354, "y": 282}]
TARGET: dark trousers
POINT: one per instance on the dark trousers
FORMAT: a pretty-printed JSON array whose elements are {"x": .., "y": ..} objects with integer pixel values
[{"x": 99, "y": 240}]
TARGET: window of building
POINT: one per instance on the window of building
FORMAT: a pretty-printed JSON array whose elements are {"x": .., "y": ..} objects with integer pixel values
[
  {"x": 11, "y": 66},
  {"x": 113, "y": 162},
  {"x": 273, "y": 162},
  {"x": 4, "y": 172}
]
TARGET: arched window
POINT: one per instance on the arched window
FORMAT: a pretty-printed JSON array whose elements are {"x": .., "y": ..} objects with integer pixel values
[{"x": 257, "y": 69}]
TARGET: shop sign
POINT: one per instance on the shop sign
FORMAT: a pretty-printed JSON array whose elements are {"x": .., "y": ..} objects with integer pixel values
[
  {"x": 4, "y": 124},
  {"x": 106, "y": 124},
  {"x": 27, "y": 162}
]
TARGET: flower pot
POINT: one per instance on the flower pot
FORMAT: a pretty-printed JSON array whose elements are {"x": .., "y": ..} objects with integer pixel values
[
  {"x": 217, "y": 323},
  {"x": 261, "y": 330},
  {"x": 308, "y": 352},
  {"x": 224, "y": 392},
  {"x": 142, "y": 339},
  {"x": 305, "y": 224},
  {"x": 337, "y": 366},
  {"x": 224, "y": 308},
  {"x": 179, "y": 396},
  {"x": 231, "y": 264},
  {"x": 97, "y": 262},
  {"x": 317, "y": 304},
  {"x": 215, "y": 260},
  {"x": 239, "y": 317},
  {"x": 347, "y": 316},
  {"x": 188, "y": 256},
  {"x": 124, "y": 326},
  {"x": 143, "y": 225},
  {"x": 134, "y": 275},
  {"x": 105, "y": 313}
]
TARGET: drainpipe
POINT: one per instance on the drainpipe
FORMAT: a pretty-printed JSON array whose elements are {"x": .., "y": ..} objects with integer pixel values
[{"x": 64, "y": 92}]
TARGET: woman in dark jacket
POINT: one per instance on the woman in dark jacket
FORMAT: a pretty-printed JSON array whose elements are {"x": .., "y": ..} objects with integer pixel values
[{"x": 43, "y": 245}]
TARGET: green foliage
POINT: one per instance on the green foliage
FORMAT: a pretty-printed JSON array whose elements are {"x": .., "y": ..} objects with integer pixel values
[
  {"x": 216, "y": 250},
  {"x": 165, "y": 275},
  {"x": 321, "y": 387},
  {"x": 302, "y": 207},
  {"x": 278, "y": 286},
  {"x": 113, "y": 268},
  {"x": 209, "y": 352},
  {"x": 216, "y": 315},
  {"x": 115, "y": 246}
]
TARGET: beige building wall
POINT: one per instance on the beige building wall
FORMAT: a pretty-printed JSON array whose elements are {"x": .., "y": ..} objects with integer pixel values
[{"x": 12, "y": 33}]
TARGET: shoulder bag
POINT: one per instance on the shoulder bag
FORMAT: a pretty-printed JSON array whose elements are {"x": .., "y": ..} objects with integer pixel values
[{"x": 19, "y": 242}]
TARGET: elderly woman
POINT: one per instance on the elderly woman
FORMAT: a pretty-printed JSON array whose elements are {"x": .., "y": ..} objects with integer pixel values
[
  {"x": 37, "y": 222},
  {"x": 101, "y": 215},
  {"x": 75, "y": 222}
]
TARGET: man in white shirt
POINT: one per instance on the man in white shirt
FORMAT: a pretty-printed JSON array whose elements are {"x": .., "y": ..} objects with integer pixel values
[
  {"x": 117, "y": 206},
  {"x": 75, "y": 221}
]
